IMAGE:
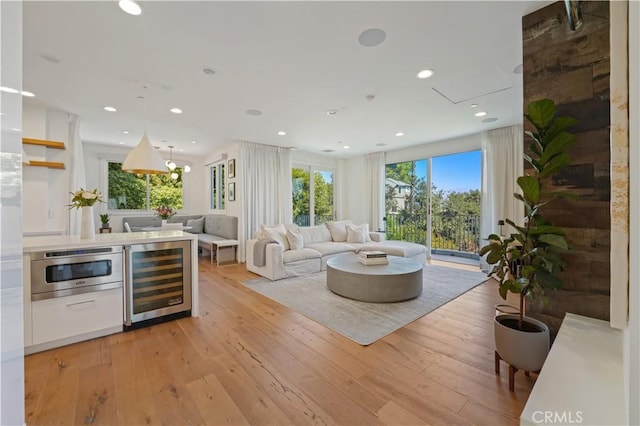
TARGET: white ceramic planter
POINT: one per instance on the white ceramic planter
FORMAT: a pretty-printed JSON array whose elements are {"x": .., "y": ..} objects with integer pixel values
[{"x": 524, "y": 350}]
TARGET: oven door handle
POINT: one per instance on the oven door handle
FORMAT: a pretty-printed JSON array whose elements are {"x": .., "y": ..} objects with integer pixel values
[{"x": 80, "y": 305}]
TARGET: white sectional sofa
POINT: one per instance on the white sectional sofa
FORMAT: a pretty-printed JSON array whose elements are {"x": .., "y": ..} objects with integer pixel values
[{"x": 282, "y": 251}]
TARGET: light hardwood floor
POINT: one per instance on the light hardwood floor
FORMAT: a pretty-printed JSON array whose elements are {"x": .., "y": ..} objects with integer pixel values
[{"x": 249, "y": 360}]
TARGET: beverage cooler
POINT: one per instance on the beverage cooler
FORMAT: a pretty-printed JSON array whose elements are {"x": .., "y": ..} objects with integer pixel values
[{"x": 157, "y": 282}]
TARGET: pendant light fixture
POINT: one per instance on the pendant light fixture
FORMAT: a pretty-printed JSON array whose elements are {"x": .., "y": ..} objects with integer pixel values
[
  {"x": 144, "y": 159},
  {"x": 171, "y": 165}
]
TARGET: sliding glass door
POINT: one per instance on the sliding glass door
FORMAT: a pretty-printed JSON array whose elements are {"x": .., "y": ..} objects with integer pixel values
[{"x": 436, "y": 202}]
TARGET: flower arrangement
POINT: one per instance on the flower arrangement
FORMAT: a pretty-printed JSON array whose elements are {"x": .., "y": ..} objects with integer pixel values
[
  {"x": 85, "y": 198},
  {"x": 165, "y": 212}
]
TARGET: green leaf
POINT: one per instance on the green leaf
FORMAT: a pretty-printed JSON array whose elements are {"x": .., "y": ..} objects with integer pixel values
[
  {"x": 559, "y": 124},
  {"x": 503, "y": 290},
  {"x": 540, "y": 113},
  {"x": 557, "y": 163},
  {"x": 546, "y": 229},
  {"x": 530, "y": 188},
  {"x": 556, "y": 146},
  {"x": 494, "y": 256},
  {"x": 554, "y": 240}
]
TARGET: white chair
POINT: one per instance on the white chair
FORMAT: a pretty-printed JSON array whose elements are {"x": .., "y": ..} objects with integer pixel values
[
  {"x": 127, "y": 227},
  {"x": 172, "y": 226}
]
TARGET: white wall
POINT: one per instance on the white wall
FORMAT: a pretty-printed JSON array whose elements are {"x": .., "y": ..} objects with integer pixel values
[
  {"x": 632, "y": 333},
  {"x": 352, "y": 170},
  {"x": 46, "y": 190}
]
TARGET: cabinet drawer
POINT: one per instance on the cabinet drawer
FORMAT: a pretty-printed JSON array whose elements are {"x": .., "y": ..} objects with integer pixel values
[{"x": 63, "y": 317}]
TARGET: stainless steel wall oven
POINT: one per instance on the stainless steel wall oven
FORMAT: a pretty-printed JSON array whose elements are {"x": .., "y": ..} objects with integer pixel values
[
  {"x": 59, "y": 273},
  {"x": 157, "y": 281}
]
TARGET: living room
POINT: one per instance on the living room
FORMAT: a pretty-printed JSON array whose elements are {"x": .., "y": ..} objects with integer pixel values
[{"x": 351, "y": 195}]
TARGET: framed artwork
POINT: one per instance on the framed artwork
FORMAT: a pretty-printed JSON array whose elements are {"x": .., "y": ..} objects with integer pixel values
[
  {"x": 232, "y": 168},
  {"x": 232, "y": 191}
]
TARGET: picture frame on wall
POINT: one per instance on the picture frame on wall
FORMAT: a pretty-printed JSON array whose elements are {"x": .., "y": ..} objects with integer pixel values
[
  {"x": 232, "y": 191},
  {"x": 232, "y": 168}
]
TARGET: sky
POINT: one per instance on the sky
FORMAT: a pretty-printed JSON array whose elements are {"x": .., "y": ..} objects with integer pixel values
[{"x": 456, "y": 172}]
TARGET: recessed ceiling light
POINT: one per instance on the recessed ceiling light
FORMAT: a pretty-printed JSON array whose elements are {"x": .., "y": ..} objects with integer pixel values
[
  {"x": 381, "y": 144},
  {"x": 480, "y": 113},
  {"x": 473, "y": 106},
  {"x": 130, "y": 6},
  {"x": 121, "y": 143},
  {"x": 281, "y": 133},
  {"x": 110, "y": 109},
  {"x": 332, "y": 112},
  {"x": 181, "y": 149},
  {"x": 254, "y": 112},
  {"x": 372, "y": 37},
  {"x": 8, "y": 90},
  {"x": 28, "y": 94},
  {"x": 489, "y": 120},
  {"x": 176, "y": 110},
  {"x": 399, "y": 134},
  {"x": 425, "y": 73},
  {"x": 194, "y": 141},
  {"x": 126, "y": 132},
  {"x": 346, "y": 147}
]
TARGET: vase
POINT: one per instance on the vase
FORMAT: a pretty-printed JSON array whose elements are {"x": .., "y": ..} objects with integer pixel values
[
  {"x": 87, "y": 227},
  {"x": 164, "y": 222}
]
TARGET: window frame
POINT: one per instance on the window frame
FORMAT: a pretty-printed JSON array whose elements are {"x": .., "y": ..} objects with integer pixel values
[
  {"x": 105, "y": 159},
  {"x": 220, "y": 184}
]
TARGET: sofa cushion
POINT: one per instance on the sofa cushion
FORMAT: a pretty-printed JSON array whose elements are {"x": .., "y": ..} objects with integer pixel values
[
  {"x": 221, "y": 225},
  {"x": 330, "y": 247},
  {"x": 358, "y": 233},
  {"x": 290, "y": 256},
  {"x": 277, "y": 233},
  {"x": 315, "y": 234},
  {"x": 197, "y": 225},
  {"x": 296, "y": 242},
  {"x": 395, "y": 248},
  {"x": 338, "y": 229}
]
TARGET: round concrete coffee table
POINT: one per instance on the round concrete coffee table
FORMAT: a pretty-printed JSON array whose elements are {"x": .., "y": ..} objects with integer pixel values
[{"x": 400, "y": 280}]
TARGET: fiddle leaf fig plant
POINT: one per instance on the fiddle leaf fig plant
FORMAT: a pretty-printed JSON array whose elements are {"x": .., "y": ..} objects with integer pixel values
[{"x": 528, "y": 261}]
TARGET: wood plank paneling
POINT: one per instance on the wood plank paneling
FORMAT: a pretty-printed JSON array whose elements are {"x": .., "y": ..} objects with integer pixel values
[
  {"x": 572, "y": 68},
  {"x": 250, "y": 360}
]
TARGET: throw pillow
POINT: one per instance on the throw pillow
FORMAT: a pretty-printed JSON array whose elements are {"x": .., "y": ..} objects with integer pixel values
[
  {"x": 295, "y": 240},
  {"x": 277, "y": 233},
  {"x": 357, "y": 233},
  {"x": 197, "y": 225},
  {"x": 338, "y": 230}
]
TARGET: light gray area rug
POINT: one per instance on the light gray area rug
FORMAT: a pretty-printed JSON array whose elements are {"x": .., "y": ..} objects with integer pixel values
[{"x": 364, "y": 322}]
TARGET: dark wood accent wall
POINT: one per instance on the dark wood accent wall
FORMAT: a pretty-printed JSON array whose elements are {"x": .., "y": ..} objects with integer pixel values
[{"x": 572, "y": 68}]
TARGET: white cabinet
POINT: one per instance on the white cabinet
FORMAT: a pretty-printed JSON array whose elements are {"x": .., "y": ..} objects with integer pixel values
[{"x": 70, "y": 319}]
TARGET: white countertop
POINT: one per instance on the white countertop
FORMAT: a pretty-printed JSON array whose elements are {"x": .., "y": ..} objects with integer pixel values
[
  {"x": 39, "y": 243},
  {"x": 582, "y": 380}
]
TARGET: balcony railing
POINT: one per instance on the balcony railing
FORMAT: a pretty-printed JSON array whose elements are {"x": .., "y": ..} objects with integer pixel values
[
  {"x": 304, "y": 219},
  {"x": 457, "y": 232}
]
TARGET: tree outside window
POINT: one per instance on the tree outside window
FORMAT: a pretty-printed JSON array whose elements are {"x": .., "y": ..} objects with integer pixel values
[{"x": 128, "y": 191}]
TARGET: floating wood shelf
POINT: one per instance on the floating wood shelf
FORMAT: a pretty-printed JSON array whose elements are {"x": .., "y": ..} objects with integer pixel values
[
  {"x": 42, "y": 142},
  {"x": 49, "y": 164}
]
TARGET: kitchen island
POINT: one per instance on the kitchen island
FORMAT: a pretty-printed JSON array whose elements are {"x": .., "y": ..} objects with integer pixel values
[{"x": 77, "y": 289}]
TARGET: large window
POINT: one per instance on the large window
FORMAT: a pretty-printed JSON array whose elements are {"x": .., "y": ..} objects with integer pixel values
[
  {"x": 312, "y": 198},
  {"x": 128, "y": 191},
  {"x": 217, "y": 186}
]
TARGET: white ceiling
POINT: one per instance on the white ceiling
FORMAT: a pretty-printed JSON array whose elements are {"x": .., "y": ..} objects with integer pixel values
[{"x": 291, "y": 60}]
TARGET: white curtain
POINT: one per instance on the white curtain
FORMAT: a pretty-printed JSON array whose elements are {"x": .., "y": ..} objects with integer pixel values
[
  {"x": 502, "y": 164},
  {"x": 374, "y": 198},
  {"x": 77, "y": 177},
  {"x": 266, "y": 188}
]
